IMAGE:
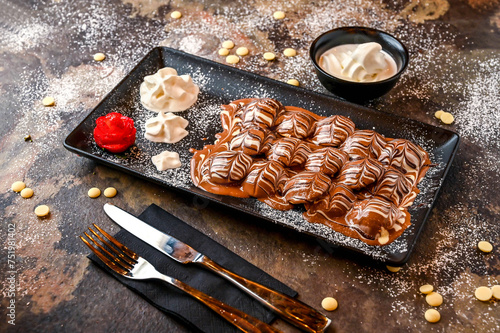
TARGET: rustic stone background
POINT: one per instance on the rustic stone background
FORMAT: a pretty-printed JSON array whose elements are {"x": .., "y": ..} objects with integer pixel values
[{"x": 46, "y": 49}]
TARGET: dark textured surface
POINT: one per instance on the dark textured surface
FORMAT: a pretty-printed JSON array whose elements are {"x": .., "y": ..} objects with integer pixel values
[{"x": 46, "y": 50}]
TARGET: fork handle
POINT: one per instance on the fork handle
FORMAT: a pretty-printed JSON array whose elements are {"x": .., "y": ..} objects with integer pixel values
[
  {"x": 290, "y": 309},
  {"x": 241, "y": 320}
]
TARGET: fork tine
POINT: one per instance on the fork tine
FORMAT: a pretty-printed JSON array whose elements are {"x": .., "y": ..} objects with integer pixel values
[
  {"x": 114, "y": 258},
  {"x": 118, "y": 269},
  {"x": 128, "y": 266},
  {"x": 122, "y": 256},
  {"x": 119, "y": 245}
]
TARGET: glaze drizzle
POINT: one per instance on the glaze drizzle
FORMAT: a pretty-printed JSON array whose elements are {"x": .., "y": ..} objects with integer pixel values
[{"x": 355, "y": 181}]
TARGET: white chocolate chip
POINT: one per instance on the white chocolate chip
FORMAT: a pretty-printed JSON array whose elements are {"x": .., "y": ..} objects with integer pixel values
[
  {"x": 94, "y": 192},
  {"x": 434, "y": 299},
  {"x": 42, "y": 210},
  {"x": 496, "y": 291},
  {"x": 27, "y": 193},
  {"x": 176, "y": 14},
  {"x": 228, "y": 44},
  {"x": 483, "y": 294},
  {"x": 18, "y": 186},
  {"x": 447, "y": 118},
  {"x": 110, "y": 192},
  {"x": 426, "y": 289},
  {"x": 432, "y": 316},
  {"x": 48, "y": 101},
  {"x": 99, "y": 56},
  {"x": 279, "y": 15},
  {"x": 223, "y": 52},
  {"x": 232, "y": 59},
  {"x": 293, "y": 82},
  {"x": 269, "y": 56},
  {"x": 485, "y": 246},
  {"x": 329, "y": 303},
  {"x": 384, "y": 236},
  {"x": 242, "y": 51},
  {"x": 393, "y": 269},
  {"x": 289, "y": 52}
]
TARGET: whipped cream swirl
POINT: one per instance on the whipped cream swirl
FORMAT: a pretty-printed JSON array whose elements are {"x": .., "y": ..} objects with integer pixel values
[
  {"x": 358, "y": 62},
  {"x": 166, "y": 160},
  {"x": 167, "y": 91},
  {"x": 166, "y": 127}
]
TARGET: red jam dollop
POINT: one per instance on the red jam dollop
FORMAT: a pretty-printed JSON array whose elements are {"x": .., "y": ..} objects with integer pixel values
[{"x": 114, "y": 132}]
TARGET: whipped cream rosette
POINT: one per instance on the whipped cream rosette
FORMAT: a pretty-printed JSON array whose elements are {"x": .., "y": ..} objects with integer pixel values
[
  {"x": 167, "y": 91},
  {"x": 166, "y": 160},
  {"x": 166, "y": 127}
]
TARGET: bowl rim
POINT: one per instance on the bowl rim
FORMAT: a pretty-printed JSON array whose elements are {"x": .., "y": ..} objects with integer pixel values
[{"x": 318, "y": 67}]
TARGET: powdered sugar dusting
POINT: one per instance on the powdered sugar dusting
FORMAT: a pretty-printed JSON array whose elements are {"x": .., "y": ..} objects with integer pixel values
[
  {"x": 444, "y": 73},
  {"x": 478, "y": 116}
]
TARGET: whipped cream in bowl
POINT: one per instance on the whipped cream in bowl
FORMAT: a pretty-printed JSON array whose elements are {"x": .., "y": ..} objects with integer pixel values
[
  {"x": 358, "y": 63},
  {"x": 365, "y": 62}
]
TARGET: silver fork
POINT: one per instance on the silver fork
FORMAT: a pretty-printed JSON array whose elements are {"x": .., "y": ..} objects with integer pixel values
[{"x": 130, "y": 265}]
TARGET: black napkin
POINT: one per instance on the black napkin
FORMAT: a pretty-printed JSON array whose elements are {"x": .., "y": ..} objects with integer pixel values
[{"x": 179, "y": 304}]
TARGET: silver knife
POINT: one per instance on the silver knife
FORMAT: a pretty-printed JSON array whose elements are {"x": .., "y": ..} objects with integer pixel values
[{"x": 290, "y": 309}]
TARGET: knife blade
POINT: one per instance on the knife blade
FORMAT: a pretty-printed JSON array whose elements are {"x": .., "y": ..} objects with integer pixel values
[
  {"x": 290, "y": 309},
  {"x": 172, "y": 247}
]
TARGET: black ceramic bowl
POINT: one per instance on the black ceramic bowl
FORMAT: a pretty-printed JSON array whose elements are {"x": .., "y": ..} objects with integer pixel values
[{"x": 358, "y": 91}]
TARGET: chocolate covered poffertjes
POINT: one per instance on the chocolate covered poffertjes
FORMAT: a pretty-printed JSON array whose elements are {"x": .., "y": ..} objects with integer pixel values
[{"x": 355, "y": 181}]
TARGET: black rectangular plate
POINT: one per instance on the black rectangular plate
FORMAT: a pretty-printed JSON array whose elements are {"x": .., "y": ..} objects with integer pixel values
[{"x": 220, "y": 84}]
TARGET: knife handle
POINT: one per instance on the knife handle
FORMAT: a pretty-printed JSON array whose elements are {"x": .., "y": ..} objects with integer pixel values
[
  {"x": 290, "y": 309},
  {"x": 243, "y": 321}
]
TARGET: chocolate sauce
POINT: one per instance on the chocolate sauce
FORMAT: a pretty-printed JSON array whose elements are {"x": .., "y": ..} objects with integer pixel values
[{"x": 357, "y": 182}]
